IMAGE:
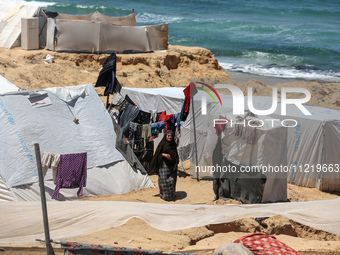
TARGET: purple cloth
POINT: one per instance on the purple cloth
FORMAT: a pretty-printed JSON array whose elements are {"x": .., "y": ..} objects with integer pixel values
[{"x": 72, "y": 172}]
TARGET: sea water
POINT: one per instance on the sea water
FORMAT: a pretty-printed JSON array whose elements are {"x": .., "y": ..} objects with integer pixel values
[{"x": 271, "y": 38}]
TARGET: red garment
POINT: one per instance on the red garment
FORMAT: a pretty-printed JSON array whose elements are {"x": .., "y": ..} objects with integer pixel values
[
  {"x": 220, "y": 127},
  {"x": 164, "y": 117},
  {"x": 262, "y": 244},
  {"x": 189, "y": 92}
]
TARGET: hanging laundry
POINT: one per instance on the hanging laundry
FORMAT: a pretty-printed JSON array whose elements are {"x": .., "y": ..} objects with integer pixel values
[
  {"x": 50, "y": 161},
  {"x": 146, "y": 131},
  {"x": 148, "y": 153},
  {"x": 129, "y": 100},
  {"x": 171, "y": 124},
  {"x": 250, "y": 130},
  {"x": 164, "y": 117},
  {"x": 153, "y": 117},
  {"x": 238, "y": 128},
  {"x": 117, "y": 100},
  {"x": 143, "y": 117},
  {"x": 178, "y": 121},
  {"x": 72, "y": 173},
  {"x": 107, "y": 76},
  {"x": 220, "y": 127},
  {"x": 128, "y": 113},
  {"x": 189, "y": 92},
  {"x": 157, "y": 127},
  {"x": 177, "y": 136},
  {"x": 135, "y": 137}
]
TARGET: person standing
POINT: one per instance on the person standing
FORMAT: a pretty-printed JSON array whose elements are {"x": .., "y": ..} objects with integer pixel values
[{"x": 164, "y": 163}]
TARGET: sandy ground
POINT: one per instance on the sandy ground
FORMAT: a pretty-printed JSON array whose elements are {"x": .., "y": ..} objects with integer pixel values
[{"x": 174, "y": 67}]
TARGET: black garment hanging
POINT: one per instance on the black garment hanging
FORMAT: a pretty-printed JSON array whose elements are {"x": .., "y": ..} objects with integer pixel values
[{"x": 107, "y": 76}]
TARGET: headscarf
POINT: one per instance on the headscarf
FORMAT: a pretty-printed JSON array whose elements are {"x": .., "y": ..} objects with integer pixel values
[{"x": 168, "y": 147}]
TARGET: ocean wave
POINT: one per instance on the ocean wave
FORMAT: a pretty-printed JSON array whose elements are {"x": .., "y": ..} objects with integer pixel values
[
  {"x": 32, "y": 3},
  {"x": 264, "y": 57},
  {"x": 296, "y": 72},
  {"x": 152, "y": 18}
]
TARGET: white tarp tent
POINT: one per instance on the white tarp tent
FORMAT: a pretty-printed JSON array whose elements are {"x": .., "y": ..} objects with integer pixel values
[
  {"x": 6, "y": 86},
  {"x": 314, "y": 141},
  {"x": 10, "y": 23},
  {"x": 47, "y": 117},
  {"x": 314, "y": 147}
]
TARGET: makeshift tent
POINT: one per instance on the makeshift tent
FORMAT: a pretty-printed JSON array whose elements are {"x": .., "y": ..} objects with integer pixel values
[
  {"x": 10, "y": 23},
  {"x": 313, "y": 147},
  {"x": 101, "y": 37},
  {"x": 102, "y": 34},
  {"x": 63, "y": 121},
  {"x": 237, "y": 151},
  {"x": 6, "y": 86},
  {"x": 323, "y": 126}
]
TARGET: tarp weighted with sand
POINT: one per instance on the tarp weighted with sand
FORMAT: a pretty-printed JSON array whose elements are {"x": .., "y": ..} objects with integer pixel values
[{"x": 78, "y": 218}]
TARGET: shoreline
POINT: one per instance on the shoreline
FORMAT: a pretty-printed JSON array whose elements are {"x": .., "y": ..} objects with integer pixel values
[{"x": 244, "y": 78}]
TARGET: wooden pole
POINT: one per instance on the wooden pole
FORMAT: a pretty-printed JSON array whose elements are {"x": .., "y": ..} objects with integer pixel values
[{"x": 49, "y": 248}]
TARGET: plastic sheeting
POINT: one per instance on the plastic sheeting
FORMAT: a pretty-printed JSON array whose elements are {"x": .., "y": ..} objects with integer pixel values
[
  {"x": 6, "y": 86},
  {"x": 102, "y": 37},
  {"x": 21, "y": 222}
]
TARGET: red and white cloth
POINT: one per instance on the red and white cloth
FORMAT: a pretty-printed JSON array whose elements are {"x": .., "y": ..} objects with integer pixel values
[{"x": 263, "y": 244}]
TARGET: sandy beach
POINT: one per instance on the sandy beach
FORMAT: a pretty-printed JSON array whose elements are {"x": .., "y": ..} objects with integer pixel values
[{"x": 174, "y": 67}]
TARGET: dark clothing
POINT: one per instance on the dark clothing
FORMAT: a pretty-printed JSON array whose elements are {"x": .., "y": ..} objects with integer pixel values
[
  {"x": 166, "y": 168},
  {"x": 143, "y": 117},
  {"x": 147, "y": 155},
  {"x": 167, "y": 182},
  {"x": 124, "y": 148},
  {"x": 127, "y": 114},
  {"x": 128, "y": 99},
  {"x": 107, "y": 76},
  {"x": 164, "y": 147}
]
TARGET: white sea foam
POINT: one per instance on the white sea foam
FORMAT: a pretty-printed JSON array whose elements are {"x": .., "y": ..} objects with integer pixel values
[
  {"x": 283, "y": 72},
  {"x": 146, "y": 17}
]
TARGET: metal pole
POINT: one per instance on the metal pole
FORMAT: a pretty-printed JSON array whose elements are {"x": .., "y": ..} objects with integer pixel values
[
  {"x": 107, "y": 101},
  {"x": 49, "y": 248},
  {"x": 193, "y": 119}
]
